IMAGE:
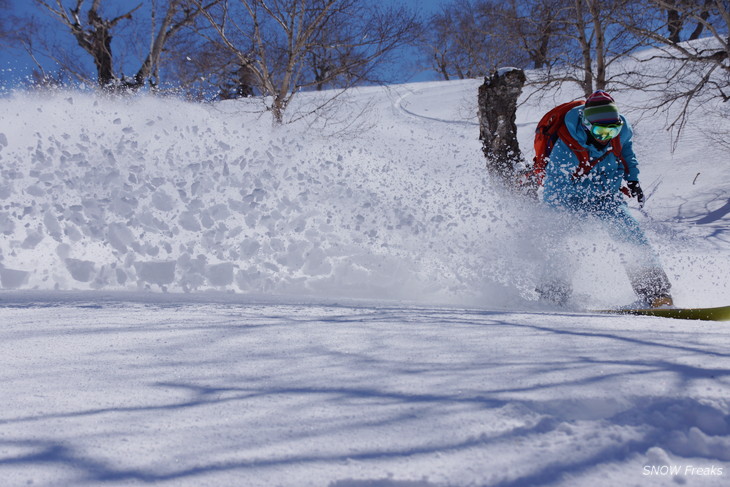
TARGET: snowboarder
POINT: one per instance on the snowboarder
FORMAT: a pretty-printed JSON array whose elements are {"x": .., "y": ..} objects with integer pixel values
[{"x": 585, "y": 181}]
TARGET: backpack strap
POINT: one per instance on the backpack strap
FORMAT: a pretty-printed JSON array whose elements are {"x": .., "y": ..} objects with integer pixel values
[
  {"x": 546, "y": 134},
  {"x": 585, "y": 163},
  {"x": 551, "y": 128},
  {"x": 617, "y": 151}
]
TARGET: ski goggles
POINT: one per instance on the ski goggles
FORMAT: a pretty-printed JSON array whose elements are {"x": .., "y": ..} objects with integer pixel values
[{"x": 604, "y": 132}]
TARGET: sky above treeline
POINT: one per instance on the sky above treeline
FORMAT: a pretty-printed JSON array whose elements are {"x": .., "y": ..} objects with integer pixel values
[{"x": 17, "y": 65}]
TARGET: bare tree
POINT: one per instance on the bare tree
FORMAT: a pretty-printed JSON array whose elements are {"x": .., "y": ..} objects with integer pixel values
[
  {"x": 201, "y": 68},
  {"x": 696, "y": 72},
  {"x": 570, "y": 40},
  {"x": 574, "y": 41},
  {"x": 677, "y": 18},
  {"x": 459, "y": 49},
  {"x": 470, "y": 38},
  {"x": 323, "y": 61},
  {"x": 5, "y": 24},
  {"x": 294, "y": 45},
  {"x": 93, "y": 28},
  {"x": 440, "y": 46},
  {"x": 535, "y": 27},
  {"x": 593, "y": 41},
  {"x": 712, "y": 16}
]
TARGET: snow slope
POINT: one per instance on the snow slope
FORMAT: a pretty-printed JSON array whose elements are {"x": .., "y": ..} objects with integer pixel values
[
  {"x": 194, "y": 297},
  {"x": 187, "y": 392}
]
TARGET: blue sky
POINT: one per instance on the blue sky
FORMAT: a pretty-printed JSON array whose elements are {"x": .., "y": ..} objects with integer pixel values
[{"x": 16, "y": 64}]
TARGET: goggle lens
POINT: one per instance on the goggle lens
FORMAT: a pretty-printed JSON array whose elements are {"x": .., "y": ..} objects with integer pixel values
[{"x": 605, "y": 132}]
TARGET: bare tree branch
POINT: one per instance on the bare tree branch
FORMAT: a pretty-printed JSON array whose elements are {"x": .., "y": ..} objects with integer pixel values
[
  {"x": 94, "y": 32},
  {"x": 295, "y": 45}
]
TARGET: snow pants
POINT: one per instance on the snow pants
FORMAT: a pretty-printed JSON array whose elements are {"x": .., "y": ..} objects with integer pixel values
[{"x": 642, "y": 264}]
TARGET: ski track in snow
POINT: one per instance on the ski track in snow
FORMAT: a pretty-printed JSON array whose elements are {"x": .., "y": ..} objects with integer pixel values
[
  {"x": 191, "y": 296},
  {"x": 452, "y": 104}
]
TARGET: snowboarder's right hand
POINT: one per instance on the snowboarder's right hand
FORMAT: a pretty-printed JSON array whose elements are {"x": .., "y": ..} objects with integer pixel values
[{"x": 636, "y": 192}]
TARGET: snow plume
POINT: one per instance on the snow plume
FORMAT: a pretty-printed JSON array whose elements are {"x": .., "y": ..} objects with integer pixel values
[
  {"x": 158, "y": 194},
  {"x": 164, "y": 195}
]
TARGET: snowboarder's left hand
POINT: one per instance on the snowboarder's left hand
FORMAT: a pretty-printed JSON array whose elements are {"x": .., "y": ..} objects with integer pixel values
[{"x": 636, "y": 192}]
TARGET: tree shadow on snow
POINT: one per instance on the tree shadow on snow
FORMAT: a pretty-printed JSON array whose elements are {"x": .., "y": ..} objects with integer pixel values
[{"x": 659, "y": 421}]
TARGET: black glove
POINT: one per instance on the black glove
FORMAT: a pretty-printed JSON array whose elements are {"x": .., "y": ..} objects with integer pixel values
[{"x": 636, "y": 192}]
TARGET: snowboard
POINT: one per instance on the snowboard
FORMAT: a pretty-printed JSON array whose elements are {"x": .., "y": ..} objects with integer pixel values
[{"x": 708, "y": 314}]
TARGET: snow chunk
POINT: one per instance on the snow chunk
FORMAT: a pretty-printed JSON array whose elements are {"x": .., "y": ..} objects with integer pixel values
[
  {"x": 7, "y": 226},
  {"x": 507, "y": 69},
  {"x": 696, "y": 443},
  {"x": 81, "y": 270},
  {"x": 32, "y": 239},
  {"x": 160, "y": 273},
  {"x": 35, "y": 190},
  {"x": 12, "y": 278},
  {"x": 657, "y": 456},
  {"x": 249, "y": 248},
  {"x": 162, "y": 201},
  {"x": 120, "y": 236},
  {"x": 53, "y": 227},
  {"x": 220, "y": 274},
  {"x": 6, "y": 190},
  {"x": 189, "y": 221},
  {"x": 317, "y": 263}
]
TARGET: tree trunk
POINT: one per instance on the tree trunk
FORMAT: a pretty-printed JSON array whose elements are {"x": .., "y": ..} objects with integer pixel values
[
  {"x": 701, "y": 21},
  {"x": 150, "y": 65},
  {"x": 585, "y": 48},
  {"x": 99, "y": 41},
  {"x": 497, "y": 101},
  {"x": 674, "y": 25},
  {"x": 600, "y": 36}
]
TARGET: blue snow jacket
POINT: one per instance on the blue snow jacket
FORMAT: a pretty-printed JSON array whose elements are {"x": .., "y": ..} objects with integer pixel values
[
  {"x": 598, "y": 193},
  {"x": 602, "y": 184}
]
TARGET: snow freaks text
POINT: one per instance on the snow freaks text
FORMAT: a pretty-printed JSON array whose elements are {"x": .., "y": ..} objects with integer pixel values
[{"x": 686, "y": 470}]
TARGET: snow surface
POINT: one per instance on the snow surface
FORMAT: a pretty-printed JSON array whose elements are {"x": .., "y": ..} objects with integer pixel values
[{"x": 192, "y": 296}]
